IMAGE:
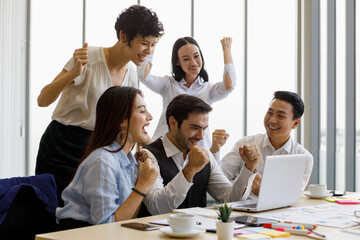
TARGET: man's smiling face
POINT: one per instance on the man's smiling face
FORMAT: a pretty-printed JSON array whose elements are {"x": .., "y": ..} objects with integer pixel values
[{"x": 279, "y": 122}]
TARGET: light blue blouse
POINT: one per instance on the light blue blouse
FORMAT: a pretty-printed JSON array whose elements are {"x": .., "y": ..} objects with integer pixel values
[{"x": 101, "y": 184}]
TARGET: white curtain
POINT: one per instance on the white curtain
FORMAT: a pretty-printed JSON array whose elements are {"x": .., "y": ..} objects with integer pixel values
[{"x": 12, "y": 87}]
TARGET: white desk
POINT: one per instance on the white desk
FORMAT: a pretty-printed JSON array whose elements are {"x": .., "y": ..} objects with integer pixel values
[{"x": 115, "y": 231}]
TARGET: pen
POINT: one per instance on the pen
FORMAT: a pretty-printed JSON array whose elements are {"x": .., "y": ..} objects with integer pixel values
[
  {"x": 317, "y": 233},
  {"x": 306, "y": 225},
  {"x": 280, "y": 225},
  {"x": 294, "y": 231},
  {"x": 314, "y": 236}
]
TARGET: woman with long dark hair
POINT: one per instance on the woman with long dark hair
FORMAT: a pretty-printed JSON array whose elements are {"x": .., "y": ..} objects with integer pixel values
[
  {"x": 189, "y": 77},
  {"x": 81, "y": 82},
  {"x": 110, "y": 184}
]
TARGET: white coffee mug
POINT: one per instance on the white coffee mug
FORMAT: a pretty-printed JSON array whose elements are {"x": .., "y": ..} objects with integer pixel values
[
  {"x": 317, "y": 189},
  {"x": 182, "y": 223}
]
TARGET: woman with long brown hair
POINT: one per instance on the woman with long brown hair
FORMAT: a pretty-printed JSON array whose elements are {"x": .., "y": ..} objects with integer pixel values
[
  {"x": 81, "y": 82},
  {"x": 110, "y": 184}
]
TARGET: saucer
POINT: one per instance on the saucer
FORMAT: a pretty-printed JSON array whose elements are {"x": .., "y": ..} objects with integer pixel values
[
  {"x": 318, "y": 196},
  {"x": 168, "y": 231}
]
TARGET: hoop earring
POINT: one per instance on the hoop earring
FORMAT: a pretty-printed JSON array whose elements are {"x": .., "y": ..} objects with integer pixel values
[{"x": 119, "y": 138}]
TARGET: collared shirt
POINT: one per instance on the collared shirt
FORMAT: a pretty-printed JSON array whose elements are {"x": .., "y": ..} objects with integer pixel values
[
  {"x": 169, "y": 88},
  {"x": 232, "y": 164},
  {"x": 163, "y": 199},
  {"x": 101, "y": 185}
]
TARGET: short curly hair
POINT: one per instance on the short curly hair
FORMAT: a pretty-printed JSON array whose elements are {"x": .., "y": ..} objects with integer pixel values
[{"x": 140, "y": 20}]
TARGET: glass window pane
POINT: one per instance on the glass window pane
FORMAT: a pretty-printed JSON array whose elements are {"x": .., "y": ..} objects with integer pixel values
[
  {"x": 357, "y": 97},
  {"x": 323, "y": 91},
  {"x": 272, "y": 54},
  {"x": 54, "y": 37},
  {"x": 176, "y": 18},
  {"x": 211, "y": 26},
  {"x": 100, "y": 21},
  {"x": 340, "y": 95}
]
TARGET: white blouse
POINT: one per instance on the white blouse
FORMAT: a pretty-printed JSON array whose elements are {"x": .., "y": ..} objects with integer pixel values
[
  {"x": 169, "y": 88},
  {"x": 77, "y": 103}
]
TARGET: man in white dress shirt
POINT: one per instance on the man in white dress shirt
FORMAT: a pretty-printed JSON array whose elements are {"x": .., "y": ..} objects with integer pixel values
[
  {"x": 188, "y": 171},
  {"x": 283, "y": 115}
]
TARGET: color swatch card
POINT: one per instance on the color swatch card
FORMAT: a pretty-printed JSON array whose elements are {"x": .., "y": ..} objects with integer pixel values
[
  {"x": 253, "y": 236},
  {"x": 256, "y": 229},
  {"x": 347, "y": 201},
  {"x": 333, "y": 199},
  {"x": 241, "y": 232},
  {"x": 275, "y": 234}
]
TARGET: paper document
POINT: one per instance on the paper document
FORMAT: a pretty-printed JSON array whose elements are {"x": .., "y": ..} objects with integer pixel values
[{"x": 331, "y": 215}]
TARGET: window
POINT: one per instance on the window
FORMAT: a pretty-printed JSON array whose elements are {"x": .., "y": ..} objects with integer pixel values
[
  {"x": 272, "y": 54},
  {"x": 53, "y": 39},
  {"x": 210, "y": 26},
  {"x": 357, "y": 97},
  {"x": 176, "y": 18},
  {"x": 323, "y": 91},
  {"x": 340, "y": 95},
  {"x": 100, "y": 21}
]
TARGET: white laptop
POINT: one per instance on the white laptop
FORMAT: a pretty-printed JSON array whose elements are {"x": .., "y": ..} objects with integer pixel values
[{"x": 281, "y": 184}]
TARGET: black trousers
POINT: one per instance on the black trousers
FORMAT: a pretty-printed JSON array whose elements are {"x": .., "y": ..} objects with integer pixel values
[{"x": 60, "y": 150}]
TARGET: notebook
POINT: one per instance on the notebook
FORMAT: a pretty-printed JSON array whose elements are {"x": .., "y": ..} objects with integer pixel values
[{"x": 280, "y": 185}]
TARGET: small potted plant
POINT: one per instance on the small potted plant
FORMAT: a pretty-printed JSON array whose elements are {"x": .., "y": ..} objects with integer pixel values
[{"x": 224, "y": 227}]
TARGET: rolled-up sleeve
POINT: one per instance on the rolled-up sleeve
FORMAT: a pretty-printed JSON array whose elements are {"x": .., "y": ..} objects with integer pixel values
[
  {"x": 160, "y": 199},
  {"x": 220, "y": 188},
  {"x": 232, "y": 163},
  {"x": 308, "y": 169},
  {"x": 218, "y": 90},
  {"x": 102, "y": 194}
]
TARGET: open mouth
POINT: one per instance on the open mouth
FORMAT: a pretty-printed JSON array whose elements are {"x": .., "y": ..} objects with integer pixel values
[
  {"x": 273, "y": 128},
  {"x": 141, "y": 57},
  {"x": 193, "y": 141},
  {"x": 143, "y": 128}
]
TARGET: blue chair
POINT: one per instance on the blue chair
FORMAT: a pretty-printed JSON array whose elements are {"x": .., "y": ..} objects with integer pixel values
[{"x": 27, "y": 206}]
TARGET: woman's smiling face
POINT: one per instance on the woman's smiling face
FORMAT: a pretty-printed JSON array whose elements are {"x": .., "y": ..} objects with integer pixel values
[
  {"x": 140, "y": 118},
  {"x": 189, "y": 59}
]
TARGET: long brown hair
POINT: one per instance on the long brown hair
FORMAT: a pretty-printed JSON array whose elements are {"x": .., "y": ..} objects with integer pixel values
[{"x": 113, "y": 107}]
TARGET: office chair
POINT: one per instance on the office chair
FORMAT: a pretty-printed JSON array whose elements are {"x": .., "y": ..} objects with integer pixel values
[{"x": 27, "y": 206}]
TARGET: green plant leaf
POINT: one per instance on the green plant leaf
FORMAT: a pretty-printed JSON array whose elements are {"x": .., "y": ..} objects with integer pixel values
[{"x": 224, "y": 211}]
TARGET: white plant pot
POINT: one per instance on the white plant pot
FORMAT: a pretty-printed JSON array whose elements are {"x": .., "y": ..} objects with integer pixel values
[{"x": 225, "y": 230}]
